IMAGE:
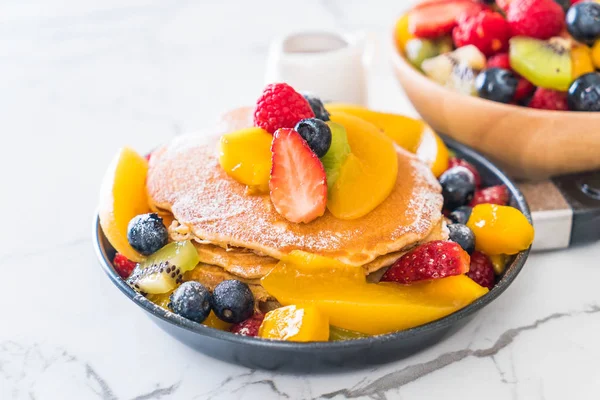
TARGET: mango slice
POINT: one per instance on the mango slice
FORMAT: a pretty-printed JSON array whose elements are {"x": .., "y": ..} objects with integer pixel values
[
  {"x": 245, "y": 155},
  {"x": 353, "y": 304},
  {"x": 369, "y": 173},
  {"x": 500, "y": 229},
  {"x": 122, "y": 197},
  {"x": 295, "y": 324},
  {"x": 411, "y": 134}
]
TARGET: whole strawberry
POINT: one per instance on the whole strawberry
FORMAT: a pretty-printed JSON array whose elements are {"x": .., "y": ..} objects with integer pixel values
[
  {"x": 487, "y": 30},
  {"x": 432, "y": 260},
  {"x": 481, "y": 270},
  {"x": 280, "y": 106},
  {"x": 547, "y": 99},
  {"x": 459, "y": 162},
  {"x": 491, "y": 195},
  {"x": 248, "y": 327},
  {"x": 539, "y": 19},
  {"x": 123, "y": 265}
]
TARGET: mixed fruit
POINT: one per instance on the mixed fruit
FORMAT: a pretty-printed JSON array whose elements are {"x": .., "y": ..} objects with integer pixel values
[
  {"x": 310, "y": 158},
  {"x": 541, "y": 54}
]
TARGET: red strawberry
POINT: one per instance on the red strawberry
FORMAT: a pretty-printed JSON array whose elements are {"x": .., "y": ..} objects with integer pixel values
[
  {"x": 524, "y": 89},
  {"x": 539, "y": 19},
  {"x": 435, "y": 19},
  {"x": 491, "y": 195},
  {"x": 280, "y": 106},
  {"x": 298, "y": 184},
  {"x": 123, "y": 265},
  {"x": 248, "y": 327},
  {"x": 500, "y": 60},
  {"x": 547, "y": 99},
  {"x": 481, "y": 270},
  {"x": 459, "y": 162},
  {"x": 432, "y": 260},
  {"x": 487, "y": 30}
]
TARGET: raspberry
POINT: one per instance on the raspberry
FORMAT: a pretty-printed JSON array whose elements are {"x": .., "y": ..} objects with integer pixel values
[
  {"x": 500, "y": 60},
  {"x": 540, "y": 19},
  {"x": 524, "y": 89},
  {"x": 432, "y": 260},
  {"x": 481, "y": 270},
  {"x": 280, "y": 106},
  {"x": 491, "y": 195},
  {"x": 459, "y": 162},
  {"x": 123, "y": 265},
  {"x": 547, "y": 99},
  {"x": 248, "y": 327},
  {"x": 487, "y": 30}
]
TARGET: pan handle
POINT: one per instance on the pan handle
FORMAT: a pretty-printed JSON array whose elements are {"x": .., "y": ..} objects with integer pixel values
[{"x": 565, "y": 210}]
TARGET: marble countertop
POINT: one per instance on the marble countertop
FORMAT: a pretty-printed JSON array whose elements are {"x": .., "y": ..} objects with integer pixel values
[{"x": 82, "y": 78}]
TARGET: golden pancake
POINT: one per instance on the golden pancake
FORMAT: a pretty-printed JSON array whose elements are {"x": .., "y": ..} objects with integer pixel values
[
  {"x": 186, "y": 179},
  {"x": 249, "y": 265}
]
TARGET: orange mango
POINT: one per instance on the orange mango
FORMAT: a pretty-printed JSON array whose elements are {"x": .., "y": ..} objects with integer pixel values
[
  {"x": 295, "y": 324},
  {"x": 245, "y": 155},
  {"x": 122, "y": 197},
  {"x": 353, "y": 304},
  {"x": 500, "y": 229},
  {"x": 368, "y": 174}
]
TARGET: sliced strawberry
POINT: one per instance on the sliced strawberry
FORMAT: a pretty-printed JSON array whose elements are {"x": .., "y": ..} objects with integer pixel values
[
  {"x": 298, "y": 184},
  {"x": 432, "y": 260},
  {"x": 436, "y": 19},
  {"x": 503, "y": 4}
]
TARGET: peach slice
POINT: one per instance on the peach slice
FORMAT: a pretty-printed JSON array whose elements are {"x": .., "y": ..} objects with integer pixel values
[
  {"x": 295, "y": 324},
  {"x": 369, "y": 173},
  {"x": 122, "y": 197},
  {"x": 353, "y": 304},
  {"x": 411, "y": 134}
]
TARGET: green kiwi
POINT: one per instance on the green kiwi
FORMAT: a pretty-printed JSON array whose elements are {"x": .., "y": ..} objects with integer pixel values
[
  {"x": 419, "y": 50},
  {"x": 163, "y": 270},
  {"x": 544, "y": 63},
  {"x": 337, "y": 153}
]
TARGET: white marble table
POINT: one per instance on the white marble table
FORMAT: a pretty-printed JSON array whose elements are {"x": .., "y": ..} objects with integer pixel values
[{"x": 81, "y": 78}]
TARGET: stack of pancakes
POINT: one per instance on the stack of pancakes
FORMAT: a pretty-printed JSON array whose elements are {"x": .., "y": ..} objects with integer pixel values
[{"x": 240, "y": 235}]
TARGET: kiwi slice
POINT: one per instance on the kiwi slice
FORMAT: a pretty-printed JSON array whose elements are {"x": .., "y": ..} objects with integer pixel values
[
  {"x": 337, "y": 153},
  {"x": 546, "y": 64},
  {"x": 419, "y": 50},
  {"x": 163, "y": 270}
]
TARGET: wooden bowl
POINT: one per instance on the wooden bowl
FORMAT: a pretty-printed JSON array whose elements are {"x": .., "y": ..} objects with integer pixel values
[{"x": 527, "y": 143}]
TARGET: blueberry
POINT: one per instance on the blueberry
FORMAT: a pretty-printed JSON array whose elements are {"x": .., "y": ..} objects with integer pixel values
[
  {"x": 583, "y": 22},
  {"x": 147, "y": 234},
  {"x": 460, "y": 215},
  {"x": 232, "y": 301},
  {"x": 462, "y": 235},
  {"x": 191, "y": 300},
  {"x": 316, "y": 133},
  {"x": 458, "y": 187},
  {"x": 584, "y": 92},
  {"x": 496, "y": 84},
  {"x": 317, "y": 106}
]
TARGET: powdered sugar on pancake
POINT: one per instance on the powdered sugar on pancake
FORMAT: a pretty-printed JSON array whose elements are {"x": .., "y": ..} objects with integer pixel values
[{"x": 186, "y": 178}]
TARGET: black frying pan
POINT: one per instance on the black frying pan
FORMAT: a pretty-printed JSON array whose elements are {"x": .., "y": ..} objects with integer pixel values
[{"x": 319, "y": 356}]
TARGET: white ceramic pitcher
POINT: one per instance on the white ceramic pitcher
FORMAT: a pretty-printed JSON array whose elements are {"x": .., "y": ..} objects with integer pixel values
[{"x": 333, "y": 66}]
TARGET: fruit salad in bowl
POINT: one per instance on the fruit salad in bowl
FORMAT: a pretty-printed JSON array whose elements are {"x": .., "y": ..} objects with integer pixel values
[
  {"x": 299, "y": 224},
  {"x": 541, "y": 54}
]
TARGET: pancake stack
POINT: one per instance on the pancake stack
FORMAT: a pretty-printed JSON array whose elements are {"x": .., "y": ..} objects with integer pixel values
[{"x": 241, "y": 236}]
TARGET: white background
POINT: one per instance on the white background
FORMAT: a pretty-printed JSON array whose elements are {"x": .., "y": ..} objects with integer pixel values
[{"x": 78, "y": 79}]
